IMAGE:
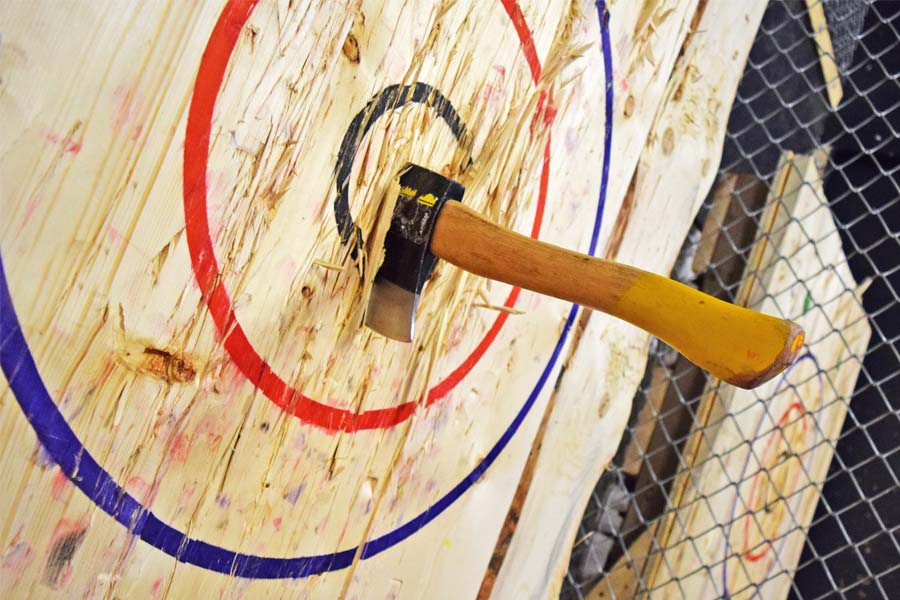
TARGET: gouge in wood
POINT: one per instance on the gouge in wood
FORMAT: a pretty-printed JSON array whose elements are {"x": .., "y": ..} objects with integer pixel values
[{"x": 736, "y": 344}]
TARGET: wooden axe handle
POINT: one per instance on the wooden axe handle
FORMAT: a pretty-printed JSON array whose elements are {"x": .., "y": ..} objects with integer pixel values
[{"x": 741, "y": 346}]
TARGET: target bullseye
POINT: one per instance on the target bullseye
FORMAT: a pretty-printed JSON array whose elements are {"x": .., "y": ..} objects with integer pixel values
[
  {"x": 96, "y": 482},
  {"x": 206, "y": 268}
]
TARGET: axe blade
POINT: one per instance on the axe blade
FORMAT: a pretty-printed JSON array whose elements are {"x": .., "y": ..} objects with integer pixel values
[
  {"x": 392, "y": 310},
  {"x": 408, "y": 261}
]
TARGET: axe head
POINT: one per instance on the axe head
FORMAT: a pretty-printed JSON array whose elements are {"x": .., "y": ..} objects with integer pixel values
[{"x": 408, "y": 261}]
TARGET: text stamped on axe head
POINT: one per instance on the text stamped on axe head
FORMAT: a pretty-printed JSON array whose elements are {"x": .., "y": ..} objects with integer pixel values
[{"x": 408, "y": 259}]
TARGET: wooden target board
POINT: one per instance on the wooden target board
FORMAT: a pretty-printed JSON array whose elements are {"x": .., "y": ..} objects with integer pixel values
[
  {"x": 191, "y": 198},
  {"x": 766, "y": 452}
]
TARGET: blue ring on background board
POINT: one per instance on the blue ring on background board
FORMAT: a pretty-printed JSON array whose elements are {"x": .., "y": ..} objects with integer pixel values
[{"x": 63, "y": 445}]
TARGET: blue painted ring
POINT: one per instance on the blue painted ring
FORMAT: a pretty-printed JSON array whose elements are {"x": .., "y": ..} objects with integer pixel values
[{"x": 66, "y": 449}]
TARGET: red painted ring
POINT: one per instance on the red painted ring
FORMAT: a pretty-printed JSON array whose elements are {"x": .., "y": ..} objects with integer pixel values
[
  {"x": 767, "y": 456},
  {"x": 206, "y": 269}
]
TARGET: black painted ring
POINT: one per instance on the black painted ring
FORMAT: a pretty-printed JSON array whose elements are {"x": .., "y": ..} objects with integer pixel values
[{"x": 390, "y": 98}]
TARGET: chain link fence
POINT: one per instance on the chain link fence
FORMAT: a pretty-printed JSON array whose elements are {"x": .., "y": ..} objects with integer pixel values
[{"x": 784, "y": 111}]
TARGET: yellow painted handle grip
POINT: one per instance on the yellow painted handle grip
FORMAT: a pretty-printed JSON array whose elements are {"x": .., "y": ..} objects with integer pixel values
[{"x": 741, "y": 346}]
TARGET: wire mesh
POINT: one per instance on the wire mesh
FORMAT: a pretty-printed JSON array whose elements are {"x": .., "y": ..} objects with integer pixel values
[{"x": 852, "y": 544}]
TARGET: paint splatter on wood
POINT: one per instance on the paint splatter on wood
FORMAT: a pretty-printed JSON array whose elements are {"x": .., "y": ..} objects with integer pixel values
[{"x": 58, "y": 568}]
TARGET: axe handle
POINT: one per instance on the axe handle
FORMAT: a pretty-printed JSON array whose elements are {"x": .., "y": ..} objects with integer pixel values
[{"x": 738, "y": 345}]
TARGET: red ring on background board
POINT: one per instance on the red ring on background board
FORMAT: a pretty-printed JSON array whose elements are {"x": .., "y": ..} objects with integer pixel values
[
  {"x": 749, "y": 554},
  {"x": 207, "y": 85}
]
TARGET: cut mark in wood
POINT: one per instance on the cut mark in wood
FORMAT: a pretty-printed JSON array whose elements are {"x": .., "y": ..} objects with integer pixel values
[
  {"x": 668, "y": 141},
  {"x": 629, "y": 106},
  {"x": 622, "y": 218}
]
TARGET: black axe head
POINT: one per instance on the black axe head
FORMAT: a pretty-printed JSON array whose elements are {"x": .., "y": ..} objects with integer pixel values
[{"x": 408, "y": 261}]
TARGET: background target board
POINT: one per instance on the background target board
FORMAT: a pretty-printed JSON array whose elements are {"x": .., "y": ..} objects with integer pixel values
[
  {"x": 189, "y": 393},
  {"x": 772, "y": 489},
  {"x": 766, "y": 452}
]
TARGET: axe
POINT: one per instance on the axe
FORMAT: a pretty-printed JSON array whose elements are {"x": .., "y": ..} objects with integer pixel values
[{"x": 738, "y": 345}]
